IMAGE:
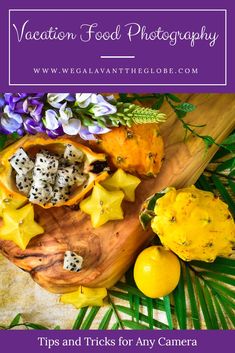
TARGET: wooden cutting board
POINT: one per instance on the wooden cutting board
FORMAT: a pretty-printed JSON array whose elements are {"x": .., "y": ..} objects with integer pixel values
[{"x": 109, "y": 250}]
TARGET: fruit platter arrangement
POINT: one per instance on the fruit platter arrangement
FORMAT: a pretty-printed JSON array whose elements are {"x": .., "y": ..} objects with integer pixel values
[{"x": 121, "y": 206}]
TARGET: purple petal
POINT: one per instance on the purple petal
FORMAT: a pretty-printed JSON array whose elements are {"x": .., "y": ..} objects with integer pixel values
[
  {"x": 55, "y": 133},
  {"x": 33, "y": 127},
  {"x": 86, "y": 135},
  {"x": 9, "y": 124}
]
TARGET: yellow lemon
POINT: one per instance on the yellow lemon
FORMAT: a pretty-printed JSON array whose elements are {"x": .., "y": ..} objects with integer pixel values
[{"x": 156, "y": 271}]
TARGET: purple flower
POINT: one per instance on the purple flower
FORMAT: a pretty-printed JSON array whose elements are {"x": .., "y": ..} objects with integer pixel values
[
  {"x": 87, "y": 133},
  {"x": 55, "y": 133},
  {"x": 56, "y": 99},
  {"x": 51, "y": 120},
  {"x": 83, "y": 100},
  {"x": 2, "y": 102},
  {"x": 33, "y": 127},
  {"x": 26, "y": 104},
  {"x": 10, "y": 121},
  {"x": 102, "y": 107}
]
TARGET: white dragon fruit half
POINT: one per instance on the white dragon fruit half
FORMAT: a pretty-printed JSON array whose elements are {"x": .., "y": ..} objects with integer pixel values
[
  {"x": 21, "y": 162},
  {"x": 50, "y": 178},
  {"x": 72, "y": 261}
]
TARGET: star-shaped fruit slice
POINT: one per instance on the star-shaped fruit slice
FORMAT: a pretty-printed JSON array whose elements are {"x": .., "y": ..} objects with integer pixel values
[
  {"x": 85, "y": 297},
  {"x": 103, "y": 206},
  {"x": 19, "y": 226},
  {"x": 7, "y": 200},
  {"x": 123, "y": 181}
]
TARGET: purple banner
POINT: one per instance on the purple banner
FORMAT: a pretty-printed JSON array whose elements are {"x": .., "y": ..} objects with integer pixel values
[
  {"x": 117, "y": 341},
  {"x": 123, "y": 49},
  {"x": 147, "y": 47}
]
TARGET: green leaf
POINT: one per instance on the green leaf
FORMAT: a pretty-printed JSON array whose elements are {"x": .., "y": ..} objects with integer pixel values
[
  {"x": 180, "y": 302},
  {"x": 167, "y": 305},
  {"x": 173, "y": 98},
  {"x": 36, "y": 326},
  {"x": 159, "y": 102},
  {"x": 143, "y": 317},
  {"x": 115, "y": 326},
  {"x": 15, "y": 321},
  {"x": 210, "y": 306},
  {"x": 150, "y": 313},
  {"x": 221, "y": 288},
  {"x": 228, "y": 164},
  {"x": 134, "y": 325},
  {"x": 205, "y": 183},
  {"x": 186, "y": 107},
  {"x": 220, "y": 313},
  {"x": 106, "y": 320},
  {"x": 228, "y": 310},
  {"x": 3, "y": 140},
  {"x": 137, "y": 307},
  {"x": 192, "y": 300},
  {"x": 219, "y": 277},
  {"x": 215, "y": 267},
  {"x": 232, "y": 185},
  {"x": 224, "y": 193},
  {"x": 79, "y": 319},
  {"x": 90, "y": 318},
  {"x": 225, "y": 261},
  {"x": 229, "y": 140},
  {"x": 203, "y": 304}
]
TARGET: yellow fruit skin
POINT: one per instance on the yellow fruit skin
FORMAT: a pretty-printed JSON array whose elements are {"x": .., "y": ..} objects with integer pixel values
[
  {"x": 137, "y": 150},
  {"x": 85, "y": 297},
  {"x": 156, "y": 271},
  {"x": 194, "y": 224}
]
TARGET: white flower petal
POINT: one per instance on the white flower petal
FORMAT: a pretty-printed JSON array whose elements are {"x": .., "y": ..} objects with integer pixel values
[
  {"x": 54, "y": 99},
  {"x": 51, "y": 120},
  {"x": 72, "y": 127}
]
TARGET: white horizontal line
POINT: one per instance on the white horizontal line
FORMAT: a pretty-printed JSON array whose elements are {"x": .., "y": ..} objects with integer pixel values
[
  {"x": 127, "y": 10},
  {"x": 117, "y": 56},
  {"x": 118, "y": 84}
]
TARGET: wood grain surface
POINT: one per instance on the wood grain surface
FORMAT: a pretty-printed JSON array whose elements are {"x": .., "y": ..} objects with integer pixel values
[{"x": 109, "y": 250}]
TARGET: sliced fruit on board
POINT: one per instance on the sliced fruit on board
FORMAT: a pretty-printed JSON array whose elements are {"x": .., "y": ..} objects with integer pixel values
[{"x": 109, "y": 250}]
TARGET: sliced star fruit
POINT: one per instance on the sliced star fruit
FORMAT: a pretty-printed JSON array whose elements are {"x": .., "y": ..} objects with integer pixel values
[
  {"x": 85, "y": 297},
  {"x": 7, "y": 200},
  {"x": 122, "y": 181},
  {"x": 19, "y": 226},
  {"x": 103, "y": 205}
]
